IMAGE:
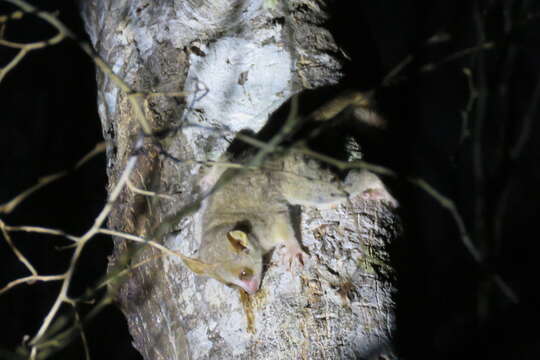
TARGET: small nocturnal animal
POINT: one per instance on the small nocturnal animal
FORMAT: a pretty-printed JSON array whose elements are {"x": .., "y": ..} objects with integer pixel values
[{"x": 249, "y": 213}]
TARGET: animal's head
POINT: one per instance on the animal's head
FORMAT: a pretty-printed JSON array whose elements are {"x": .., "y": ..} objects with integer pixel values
[{"x": 237, "y": 261}]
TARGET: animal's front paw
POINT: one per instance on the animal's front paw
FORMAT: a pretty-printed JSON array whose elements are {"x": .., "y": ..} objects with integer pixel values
[{"x": 294, "y": 252}]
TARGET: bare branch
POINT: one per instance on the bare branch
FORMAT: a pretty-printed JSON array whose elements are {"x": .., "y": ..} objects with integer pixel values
[
  {"x": 473, "y": 95},
  {"x": 9, "y": 206},
  {"x": 62, "y": 296},
  {"x": 19, "y": 255},
  {"x": 528, "y": 120},
  {"x": 41, "y": 230},
  {"x": 458, "y": 55},
  {"x": 80, "y": 327},
  {"x": 147, "y": 193},
  {"x": 30, "y": 280},
  {"x": 465, "y": 237},
  {"x": 63, "y": 32}
]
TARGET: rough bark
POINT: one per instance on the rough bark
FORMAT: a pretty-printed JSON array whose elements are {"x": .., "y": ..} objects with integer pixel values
[{"x": 252, "y": 56}]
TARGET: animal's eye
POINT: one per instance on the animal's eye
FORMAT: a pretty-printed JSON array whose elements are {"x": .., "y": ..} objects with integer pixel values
[{"x": 245, "y": 273}]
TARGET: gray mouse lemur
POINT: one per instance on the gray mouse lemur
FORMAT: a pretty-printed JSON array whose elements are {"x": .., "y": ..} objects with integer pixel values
[{"x": 248, "y": 215}]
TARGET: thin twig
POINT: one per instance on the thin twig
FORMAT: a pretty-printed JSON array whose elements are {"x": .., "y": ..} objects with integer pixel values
[
  {"x": 41, "y": 230},
  {"x": 19, "y": 255},
  {"x": 136, "y": 190},
  {"x": 98, "y": 222},
  {"x": 464, "y": 235},
  {"x": 24, "y": 49},
  {"x": 29, "y": 280},
  {"x": 473, "y": 95},
  {"x": 478, "y": 157},
  {"x": 98, "y": 149},
  {"x": 112, "y": 277},
  {"x": 80, "y": 327},
  {"x": 458, "y": 55},
  {"x": 9, "y": 206},
  {"x": 528, "y": 120},
  {"x": 64, "y": 32},
  {"x": 141, "y": 240},
  {"x": 396, "y": 70}
]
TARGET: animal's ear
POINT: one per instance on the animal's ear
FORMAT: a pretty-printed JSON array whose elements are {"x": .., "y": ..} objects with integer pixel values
[
  {"x": 197, "y": 266},
  {"x": 238, "y": 240}
]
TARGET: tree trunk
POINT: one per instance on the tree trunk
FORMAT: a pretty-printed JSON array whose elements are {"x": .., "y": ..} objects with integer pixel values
[{"x": 251, "y": 56}]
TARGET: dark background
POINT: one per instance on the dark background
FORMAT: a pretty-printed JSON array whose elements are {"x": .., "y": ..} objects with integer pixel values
[{"x": 447, "y": 307}]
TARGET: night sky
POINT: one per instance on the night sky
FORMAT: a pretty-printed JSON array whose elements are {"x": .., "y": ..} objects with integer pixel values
[{"x": 447, "y": 306}]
